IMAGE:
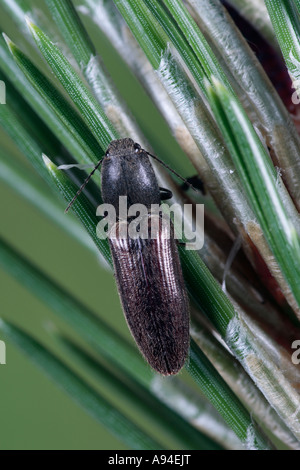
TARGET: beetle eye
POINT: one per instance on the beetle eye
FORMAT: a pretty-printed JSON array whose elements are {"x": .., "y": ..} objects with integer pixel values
[{"x": 137, "y": 147}]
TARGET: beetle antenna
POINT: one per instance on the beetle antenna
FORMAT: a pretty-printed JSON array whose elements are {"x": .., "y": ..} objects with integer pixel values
[
  {"x": 173, "y": 171},
  {"x": 84, "y": 184}
]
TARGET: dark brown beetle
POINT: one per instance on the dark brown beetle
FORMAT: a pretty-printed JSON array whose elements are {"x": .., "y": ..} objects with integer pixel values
[{"x": 147, "y": 271}]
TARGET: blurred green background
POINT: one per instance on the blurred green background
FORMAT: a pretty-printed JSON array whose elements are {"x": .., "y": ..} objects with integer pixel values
[{"x": 35, "y": 414}]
